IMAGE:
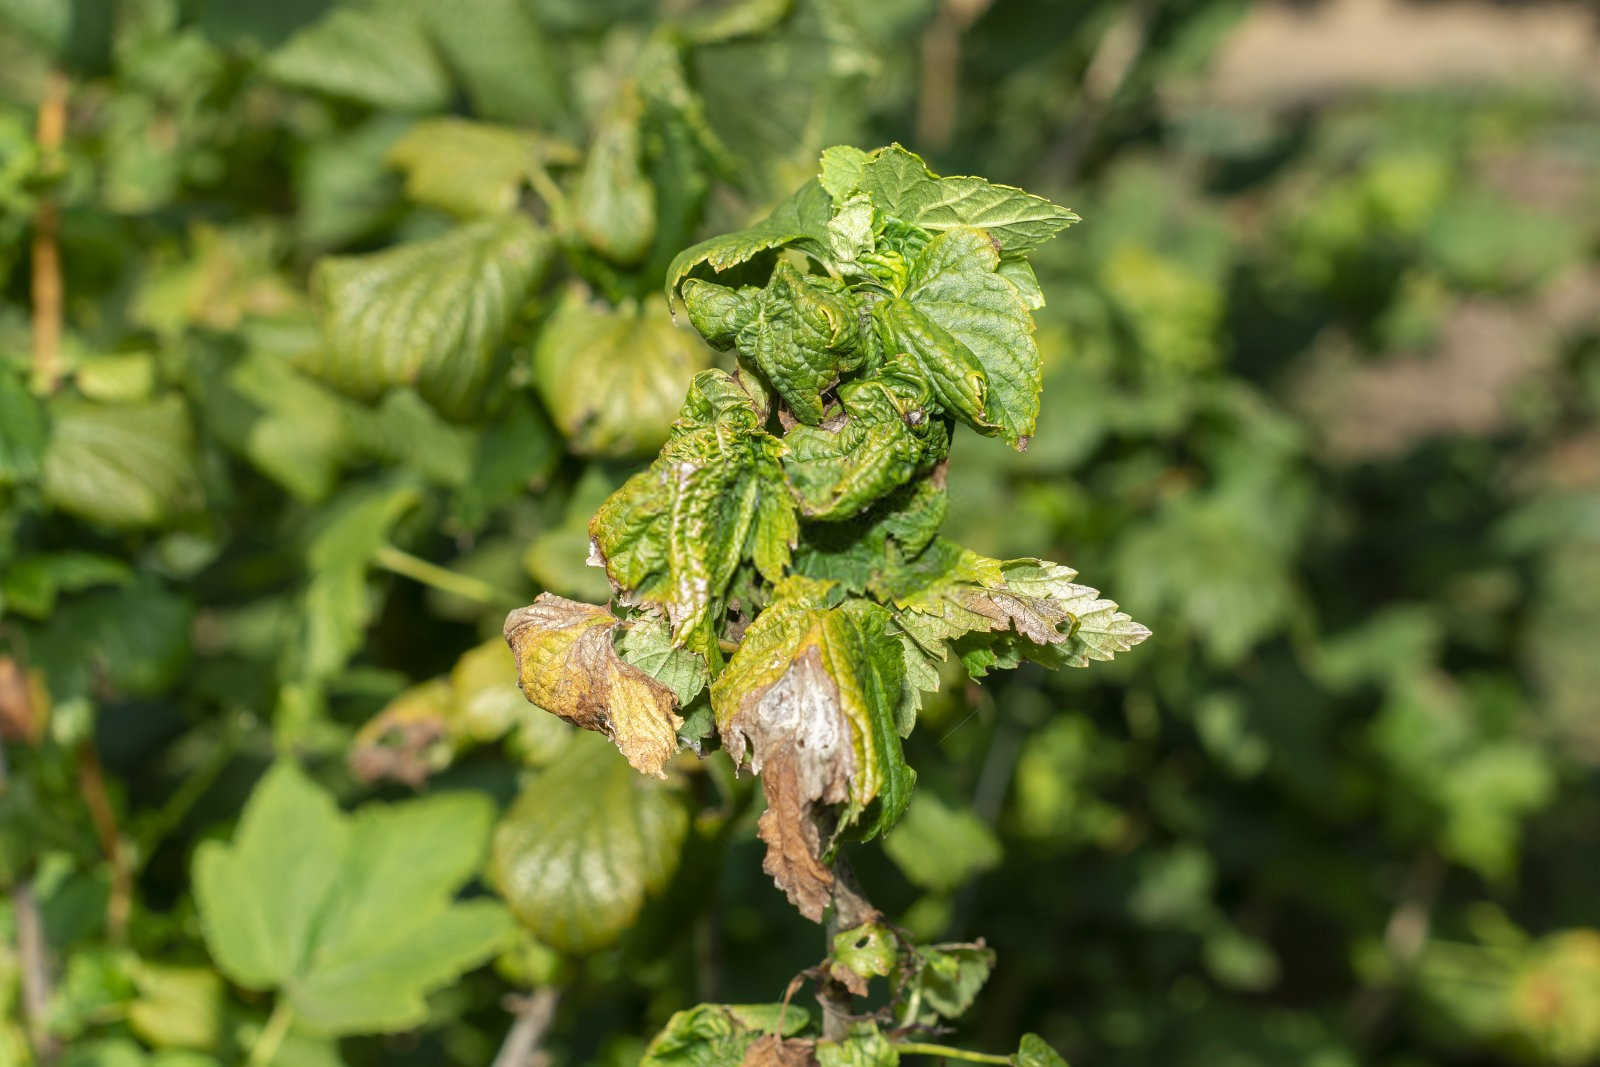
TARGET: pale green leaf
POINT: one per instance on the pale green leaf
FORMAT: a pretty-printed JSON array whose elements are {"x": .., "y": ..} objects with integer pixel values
[
  {"x": 379, "y": 56},
  {"x": 121, "y": 464},
  {"x": 338, "y": 604},
  {"x": 32, "y": 583},
  {"x": 349, "y": 917},
  {"x": 614, "y": 205},
  {"x": 864, "y": 1046},
  {"x": 902, "y": 188},
  {"x": 584, "y": 844},
  {"x": 801, "y": 332},
  {"x": 612, "y": 378},
  {"x": 647, "y": 644},
  {"x": 950, "y": 976},
  {"x": 938, "y": 847},
  {"x": 429, "y": 314},
  {"x": 952, "y": 592},
  {"x": 468, "y": 168}
]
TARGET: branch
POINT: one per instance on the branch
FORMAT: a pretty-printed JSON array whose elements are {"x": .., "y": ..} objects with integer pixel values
[
  {"x": 941, "y": 70},
  {"x": 92, "y": 784},
  {"x": 51, "y": 131},
  {"x": 918, "y": 1048},
  {"x": 534, "y": 1015},
  {"x": 33, "y": 958}
]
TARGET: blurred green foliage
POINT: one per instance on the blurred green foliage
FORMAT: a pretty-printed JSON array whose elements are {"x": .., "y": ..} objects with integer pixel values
[{"x": 360, "y": 324}]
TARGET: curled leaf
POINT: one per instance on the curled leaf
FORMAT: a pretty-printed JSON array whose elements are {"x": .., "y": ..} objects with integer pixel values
[
  {"x": 674, "y": 534},
  {"x": 567, "y": 664},
  {"x": 809, "y": 702}
]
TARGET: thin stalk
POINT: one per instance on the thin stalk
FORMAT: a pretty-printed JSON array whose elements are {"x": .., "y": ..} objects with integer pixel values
[
  {"x": 92, "y": 784},
  {"x": 521, "y": 1047},
  {"x": 403, "y": 563},
  {"x": 271, "y": 1037},
  {"x": 918, "y": 1048},
  {"x": 46, "y": 259}
]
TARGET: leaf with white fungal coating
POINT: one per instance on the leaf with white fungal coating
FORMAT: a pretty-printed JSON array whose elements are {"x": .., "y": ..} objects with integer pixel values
[
  {"x": 672, "y": 536},
  {"x": 566, "y": 664},
  {"x": 808, "y": 701}
]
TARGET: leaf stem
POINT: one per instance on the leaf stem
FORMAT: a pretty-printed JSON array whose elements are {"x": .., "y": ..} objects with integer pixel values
[
  {"x": 403, "y": 563},
  {"x": 523, "y": 1040},
  {"x": 919, "y": 1048},
  {"x": 271, "y": 1037},
  {"x": 96, "y": 797}
]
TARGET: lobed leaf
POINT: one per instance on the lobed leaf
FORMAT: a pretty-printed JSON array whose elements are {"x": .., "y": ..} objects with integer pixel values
[
  {"x": 801, "y": 220},
  {"x": 380, "y": 56},
  {"x": 351, "y": 918},
  {"x": 470, "y": 168}
]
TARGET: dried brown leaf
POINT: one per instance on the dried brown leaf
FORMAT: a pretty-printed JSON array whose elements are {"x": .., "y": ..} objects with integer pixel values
[
  {"x": 566, "y": 664},
  {"x": 774, "y": 1051}
]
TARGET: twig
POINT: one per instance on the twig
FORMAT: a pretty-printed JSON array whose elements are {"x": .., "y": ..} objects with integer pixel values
[
  {"x": 32, "y": 955},
  {"x": 51, "y": 131},
  {"x": 443, "y": 579},
  {"x": 92, "y": 784},
  {"x": 941, "y": 70},
  {"x": 534, "y": 1015}
]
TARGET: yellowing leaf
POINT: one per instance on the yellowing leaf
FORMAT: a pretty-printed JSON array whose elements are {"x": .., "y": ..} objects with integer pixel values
[
  {"x": 953, "y": 592},
  {"x": 583, "y": 845},
  {"x": 809, "y": 702},
  {"x": 470, "y": 168},
  {"x": 612, "y": 378},
  {"x": 566, "y": 664}
]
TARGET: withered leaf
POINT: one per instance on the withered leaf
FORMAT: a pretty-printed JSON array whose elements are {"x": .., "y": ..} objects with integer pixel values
[
  {"x": 566, "y": 664},
  {"x": 774, "y": 1051},
  {"x": 810, "y": 699}
]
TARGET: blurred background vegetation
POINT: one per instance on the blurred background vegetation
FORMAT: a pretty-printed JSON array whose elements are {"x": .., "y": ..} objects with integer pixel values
[{"x": 1324, "y": 366}]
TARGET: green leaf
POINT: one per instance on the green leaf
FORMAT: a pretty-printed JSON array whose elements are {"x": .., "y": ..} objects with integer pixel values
[
  {"x": 809, "y": 702},
  {"x": 349, "y": 917},
  {"x": 801, "y": 332},
  {"x": 1033, "y": 1052},
  {"x": 582, "y": 846},
  {"x": 133, "y": 640},
  {"x": 176, "y": 1006},
  {"x": 950, "y": 976},
  {"x": 718, "y": 1035},
  {"x": 429, "y": 314},
  {"x": 379, "y": 56},
  {"x": 859, "y": 552},
  {"x": 801, "y": 220},
  {"x": 508, "y": 65},
  {"x": 121, "y": 464},
  {"x": 567, "y": 665},
  {"x": 889, "y": 433},
  {"x": 612, "y": 378},
  {"x": 864, "y": 1046},
  {"x": 939, "y": 847},
  {"x": 861, "y": 954},
  {"x": 32, "y": 583},
  {"x": 950, "y": 592},
  {"x": 614, "y": 205},
  {"x": 469, "y": 168},
  {"x": 23, "y": 432},
  {"x": 902, "y": 188},
  {"x": 647, "y": 644},
  {"x": 673, "y": 535},
  {"x": 969, "y": 330},
  {"x": 338, "y": 604}
]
